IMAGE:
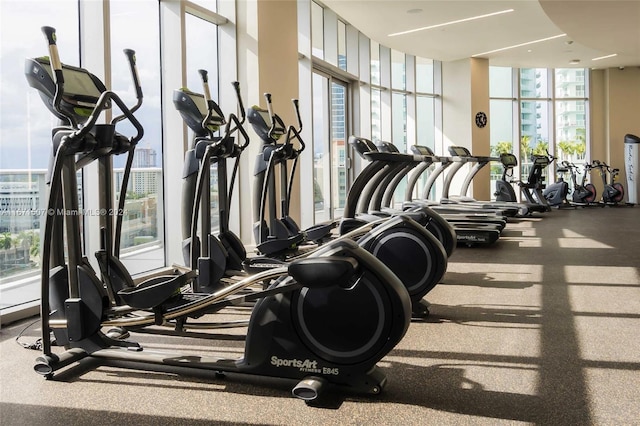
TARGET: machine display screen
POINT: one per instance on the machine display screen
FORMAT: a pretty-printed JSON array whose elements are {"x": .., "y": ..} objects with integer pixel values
[
  {"x": 80, "y": 83},
  {"x": 459, "y": 151}
]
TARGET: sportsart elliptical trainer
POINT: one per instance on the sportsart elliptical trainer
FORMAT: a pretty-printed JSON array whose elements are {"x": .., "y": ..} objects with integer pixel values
[{"x": 297, "y": 328}]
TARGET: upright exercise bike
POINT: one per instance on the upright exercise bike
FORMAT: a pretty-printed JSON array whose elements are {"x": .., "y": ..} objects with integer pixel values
[
  {"x": 583, "y": 193},
  {"x": 557, "y": 192},
  {"x": 325, "y": 321},
  {"x": 613, "y": 191}
]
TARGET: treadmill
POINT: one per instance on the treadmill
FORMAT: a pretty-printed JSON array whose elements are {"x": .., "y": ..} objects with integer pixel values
[
  {"x": 461, "y": 156},
  {"x": 388, "y": 164}
]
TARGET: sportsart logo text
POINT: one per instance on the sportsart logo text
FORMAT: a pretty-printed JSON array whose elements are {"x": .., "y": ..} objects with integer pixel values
[{"x": 306, "y": 365}]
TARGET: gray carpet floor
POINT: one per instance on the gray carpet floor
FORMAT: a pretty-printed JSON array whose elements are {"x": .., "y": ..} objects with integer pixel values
[{"x": 541, "y": 328}]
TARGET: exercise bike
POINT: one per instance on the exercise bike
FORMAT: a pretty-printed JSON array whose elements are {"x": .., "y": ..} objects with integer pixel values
[
  {"x": 297, "y": 328},
  {"x": 583, "y": 193},
  {"x": 505, "y": 192},
  {"x": 557, "y": 192},
  {"x": 613, "y": 191}
]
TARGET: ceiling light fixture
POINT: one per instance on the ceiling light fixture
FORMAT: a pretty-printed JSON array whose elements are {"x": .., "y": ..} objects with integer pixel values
[
  {"x": 574, "y": 61},
  {"x": 604, "y": 57},
  {"x": 458, "y": 21},
  {"x": 518, "y": 45}
]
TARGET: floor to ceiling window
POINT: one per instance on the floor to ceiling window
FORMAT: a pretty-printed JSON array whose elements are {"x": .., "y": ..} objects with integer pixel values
[
  {"x": 25, "y": 140},
  {"x": 202, "y": 54},
  {"x": 546, "y": 110},
  {"x": 142, "y": 236},
  {"x": 330, "y": 138}
]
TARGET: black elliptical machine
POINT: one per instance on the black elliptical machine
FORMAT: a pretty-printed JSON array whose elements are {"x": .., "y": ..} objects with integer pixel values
[
  {"x": 215, "y": 257},
  {"x": 278, "y": 235},
  {"x": 297, "y": 328},
  {"x": 411, "y": 254}
]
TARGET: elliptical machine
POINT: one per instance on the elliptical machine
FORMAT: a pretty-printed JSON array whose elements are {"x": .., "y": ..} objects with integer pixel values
[
  {"x": 215, "y": 257},
  {"x": 273, "y": 234},
  {"x": 297, "y": 328}
]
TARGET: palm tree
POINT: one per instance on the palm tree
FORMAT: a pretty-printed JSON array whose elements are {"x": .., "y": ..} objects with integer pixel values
[{"x": 502, "y": 146}]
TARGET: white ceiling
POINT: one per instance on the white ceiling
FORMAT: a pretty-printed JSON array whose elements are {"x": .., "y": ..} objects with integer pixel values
[{"x": 593, "y": 29}]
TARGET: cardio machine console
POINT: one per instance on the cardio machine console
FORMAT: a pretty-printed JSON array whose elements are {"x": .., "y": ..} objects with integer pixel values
[
  {"x": 81, "y": 88},
  {"x": 193, "y": 109}
]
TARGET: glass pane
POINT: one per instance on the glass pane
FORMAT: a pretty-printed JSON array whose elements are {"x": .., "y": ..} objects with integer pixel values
[
  {"x": 142, "y": 228},
  {"x": 500, "y": 82},
  {"x": 342, "y": 45},
  {"x": 534, "y": 132},
  {"x": 399, "y": 121},
  {"x": 321, "y": 154},
  {"x": 375, "y": 62},
  {"x": 570, "y": 83},
  {"x": 571, "y": 143},
  {"x": 317, "y": 30},
  {"x": 25, "y": 139},
  {"x": 376, "y": 115},
  {"x": 398, "y": 70},
  {"x": 338, "y": 151},
  {"x": 424, "y": 75},
  {"x": 426, "y": 133},
  {"x": 501, "y": 113},
  {"x": 202, "y": 53},
  {"x": 399, "y": 134},
  {"x": 425, "y": 119},
  {"x": 533, "y": 83}
]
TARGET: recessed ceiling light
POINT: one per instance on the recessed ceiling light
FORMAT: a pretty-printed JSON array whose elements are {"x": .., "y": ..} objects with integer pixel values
[
  {"x": 414, "y": 10},
  {"x": 604, "y": 57},
  {"x": 529, "y": 51},
  {"x": 458, "y": 21},
  {"x": 574, "y": 61},
  {"x": 518, "y": 45}
]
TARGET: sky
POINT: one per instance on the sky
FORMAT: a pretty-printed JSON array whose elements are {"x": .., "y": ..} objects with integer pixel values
[{"x": 25, "y": 122}]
